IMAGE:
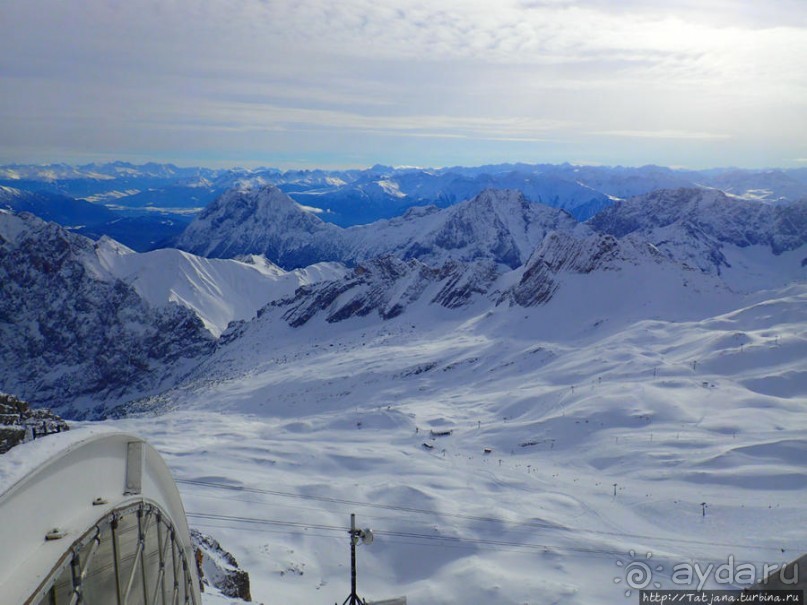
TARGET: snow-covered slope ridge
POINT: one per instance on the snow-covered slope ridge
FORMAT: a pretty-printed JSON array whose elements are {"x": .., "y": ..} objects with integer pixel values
[
  {"x": 496, "y": 225},
  {"x": 609, "y": 418},
  {"x": 696, "y": 226},
  {"x": 595, "y": 266},
  {"x": 68, "y": 331},
  {"x": 387, "y": 286},
  {"x": 219, "y": 291},
  {"x": 562, "y": 253}
]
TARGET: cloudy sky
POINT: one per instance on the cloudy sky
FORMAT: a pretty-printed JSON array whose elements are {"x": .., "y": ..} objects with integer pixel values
[{"x": 305, "y": 83}]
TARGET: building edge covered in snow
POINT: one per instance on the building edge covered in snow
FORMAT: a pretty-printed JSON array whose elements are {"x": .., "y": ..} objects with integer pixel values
[{"x": 93, "y": 516}]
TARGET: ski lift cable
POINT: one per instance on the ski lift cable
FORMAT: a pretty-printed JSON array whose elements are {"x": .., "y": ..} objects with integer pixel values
[
  {"x": 464, "y": 545},
  {"x": 445, "y": 540},
  {"x": 293, "y": 505},
  {"x": 498, "y": 520}
]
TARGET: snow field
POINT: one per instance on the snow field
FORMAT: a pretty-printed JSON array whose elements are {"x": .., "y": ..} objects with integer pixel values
[{"x": 285, "y": 432}]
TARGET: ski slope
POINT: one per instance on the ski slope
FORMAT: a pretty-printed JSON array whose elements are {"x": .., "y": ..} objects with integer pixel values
[
  {"x": 219, "y": 291},
  {"x": 610, "y": 416}
]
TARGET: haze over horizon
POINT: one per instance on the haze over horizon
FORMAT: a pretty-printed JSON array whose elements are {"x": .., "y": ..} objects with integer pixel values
[{"x": 309, "y": 84}]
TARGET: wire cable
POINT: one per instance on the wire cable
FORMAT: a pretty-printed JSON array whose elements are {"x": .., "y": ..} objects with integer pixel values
[
  {"x": 484, "y": 519},
  {"x": 456, "y": 540}
]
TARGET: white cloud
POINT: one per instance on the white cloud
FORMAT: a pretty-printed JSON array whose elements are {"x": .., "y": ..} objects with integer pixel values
[
  {"x": 515, "y": 70},
  {"x": 663, "y": 134}
]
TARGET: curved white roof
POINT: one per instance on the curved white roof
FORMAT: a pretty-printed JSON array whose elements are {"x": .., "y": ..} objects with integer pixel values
[{"x": 69, "y": 481}]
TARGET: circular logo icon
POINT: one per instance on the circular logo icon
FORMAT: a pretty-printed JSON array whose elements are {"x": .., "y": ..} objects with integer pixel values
[{"x": 637, "y": 574}]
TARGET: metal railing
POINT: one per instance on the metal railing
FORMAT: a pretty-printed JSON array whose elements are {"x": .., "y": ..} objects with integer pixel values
[{"x": 131, "y": 556}]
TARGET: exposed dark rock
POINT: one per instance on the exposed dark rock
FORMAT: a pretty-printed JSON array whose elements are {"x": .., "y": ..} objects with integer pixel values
[
  {"x": 19, "y": 422},
  {"x": 461, "y": 282},
  {"x": 218, "y": 568},
  {"x": 693, "y": 225},
  {"x": 564, "y": 253},
  {"x": 68, "y": 331},
  {"x": 387, "y": 286}
]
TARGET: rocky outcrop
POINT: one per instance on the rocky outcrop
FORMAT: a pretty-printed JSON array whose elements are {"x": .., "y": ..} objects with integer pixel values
[
  {"x": 69, "y": 332},
  {"x": 462, "y": 281},
  {"x": 692, "y": 226},
  {"x": 387, "y": 286},
  {"x": 218, "y": 568},
  {"x": 19, "y": 423},
  {"x": 563, "y": 253}
]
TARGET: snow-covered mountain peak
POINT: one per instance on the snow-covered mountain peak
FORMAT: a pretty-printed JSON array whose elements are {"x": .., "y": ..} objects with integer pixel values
[
  {"x": 267, "y": 204},
  {"x": 256, "y": 221},
  {"x": 504, "y": 222},
  {"x": 500, "y": 198},
  {"x": 106, "y": 245},
  {"x": 418, "y": 211},
  {"x": 698, "y": 226},
  {"x": 726, "y": 218},
  {"x": 499, "y": 225},
  {"x": 218, "y": 291},
  {"x": 263, "y": 264},
  {"x": 12, "y": 225},
  {"x": 661, "y": 208},
  {"x": 51, "y": 244}
]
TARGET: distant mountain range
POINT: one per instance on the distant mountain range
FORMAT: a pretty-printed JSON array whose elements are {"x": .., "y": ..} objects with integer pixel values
[
  {"x": 502, "y": 226},
  {"x": 142, "y": 231},
  {"x": 84, "y": 321},
  {"x": 153, "y": 203}
]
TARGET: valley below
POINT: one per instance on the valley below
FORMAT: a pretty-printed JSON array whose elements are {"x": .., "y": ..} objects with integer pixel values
[
  {"x": 522, "y": 407},
  {"x": 578, "y": 443}
]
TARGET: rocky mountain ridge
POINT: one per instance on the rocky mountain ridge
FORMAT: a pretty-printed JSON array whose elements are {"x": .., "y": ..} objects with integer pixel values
[
  {"x": 693, "y": 226},
  {"x": 86, "y": 322},
  {"x": 68, "y": 332},
  {"x": 502, "y": 226}
]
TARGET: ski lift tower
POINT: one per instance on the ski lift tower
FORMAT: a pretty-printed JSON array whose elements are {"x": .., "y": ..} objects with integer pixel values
[
  {"x": 356, "y": 535},
  {"x": 365, "y": 536}
]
